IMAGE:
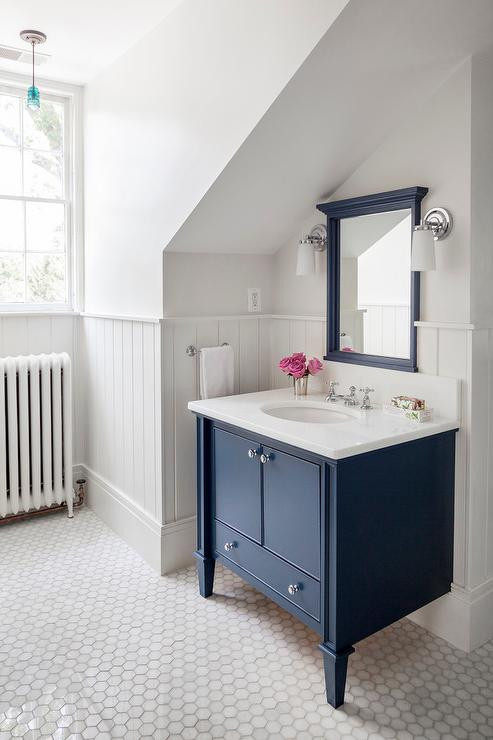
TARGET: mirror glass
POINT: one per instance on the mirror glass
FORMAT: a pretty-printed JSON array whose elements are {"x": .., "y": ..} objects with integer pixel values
[{"x": 375, "y": 283}]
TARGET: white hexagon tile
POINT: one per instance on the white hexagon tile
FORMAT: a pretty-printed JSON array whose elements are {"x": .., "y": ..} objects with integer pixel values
[{"x": 94, "y": 644}]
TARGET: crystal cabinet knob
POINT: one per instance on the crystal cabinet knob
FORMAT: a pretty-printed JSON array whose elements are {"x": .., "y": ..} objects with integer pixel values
[
  {"x": 293, "y": 588},
  {"x": 252, "y": 453},
  {"x": 228, "y": 546},
  {"x": 265, "y": 458}
]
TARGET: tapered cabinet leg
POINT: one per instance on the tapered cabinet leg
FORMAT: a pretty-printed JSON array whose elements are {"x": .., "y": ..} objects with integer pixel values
[
  {"x": 335, "y": 668},
  {"x": 205, "y": 572}
]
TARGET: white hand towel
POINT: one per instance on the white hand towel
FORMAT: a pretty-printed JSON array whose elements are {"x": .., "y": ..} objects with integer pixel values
[{"x": 217, "y": 369}]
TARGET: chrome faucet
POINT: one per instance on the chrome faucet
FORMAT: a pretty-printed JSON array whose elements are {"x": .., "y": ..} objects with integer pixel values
[
  {"x": 366, "y": 402},
  {"x": 332, "y": 396},
  {"x": 351, "y": 400}
]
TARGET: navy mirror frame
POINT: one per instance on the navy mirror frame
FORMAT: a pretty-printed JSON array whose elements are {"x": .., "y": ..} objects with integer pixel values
[{"x": 392, "y": 200}]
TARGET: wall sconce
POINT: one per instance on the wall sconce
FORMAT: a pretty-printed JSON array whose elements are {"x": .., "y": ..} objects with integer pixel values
[
  {"x": 436, "y": 225},
  {"x": 315, "y": 241}
]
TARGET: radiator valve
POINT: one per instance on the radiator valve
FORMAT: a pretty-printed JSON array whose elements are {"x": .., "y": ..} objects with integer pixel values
[{"x": 80, "y": 491}]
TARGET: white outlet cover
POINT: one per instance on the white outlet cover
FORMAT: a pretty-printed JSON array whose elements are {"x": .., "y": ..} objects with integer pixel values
[{"x": 254, "y": 300}]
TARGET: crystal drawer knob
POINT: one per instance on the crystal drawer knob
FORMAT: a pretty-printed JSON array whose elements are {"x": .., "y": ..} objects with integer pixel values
[
  {"x": 293, "y": 589},
  {"x": 264, "y": 458},
  {"x": 228, "y": 546},
  {"x": 252, "y": 453}
]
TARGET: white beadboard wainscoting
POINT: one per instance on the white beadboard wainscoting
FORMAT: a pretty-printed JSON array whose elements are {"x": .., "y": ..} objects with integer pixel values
[
  {"x": 33, "y": 334},
  {"x": 120, "y": 415},
  {"x": 295, "y": 334},
  {"x": 41, "y": 333},
  {"x": 250, "y": 339},
  {"x": 386, "y": 329},
  {"x": 466, "y": 352}
]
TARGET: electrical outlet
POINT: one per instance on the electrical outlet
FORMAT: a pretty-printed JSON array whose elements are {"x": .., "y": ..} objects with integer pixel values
[{"x": 253, "y": 300}]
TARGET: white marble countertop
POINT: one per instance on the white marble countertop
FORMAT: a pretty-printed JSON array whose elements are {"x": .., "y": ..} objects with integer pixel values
[{"x": 362, "y": 431}]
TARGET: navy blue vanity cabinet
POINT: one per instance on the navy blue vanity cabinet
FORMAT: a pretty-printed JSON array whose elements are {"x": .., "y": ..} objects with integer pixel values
[{"x": 347, "y": 546}]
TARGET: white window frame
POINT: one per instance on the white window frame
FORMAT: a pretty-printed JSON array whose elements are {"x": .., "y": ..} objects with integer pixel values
[{"x": 71, "y": 98}]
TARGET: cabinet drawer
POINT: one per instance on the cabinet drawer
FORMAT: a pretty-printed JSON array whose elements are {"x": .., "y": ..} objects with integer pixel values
[{"x": 269, "y": 569}]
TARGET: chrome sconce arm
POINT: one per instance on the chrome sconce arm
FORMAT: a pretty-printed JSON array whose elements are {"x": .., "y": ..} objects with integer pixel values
[{"x": 435, "y": 226}]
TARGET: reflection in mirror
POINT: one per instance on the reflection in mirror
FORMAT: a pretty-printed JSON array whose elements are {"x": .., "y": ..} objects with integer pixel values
[{"x": 375, "y": 283}]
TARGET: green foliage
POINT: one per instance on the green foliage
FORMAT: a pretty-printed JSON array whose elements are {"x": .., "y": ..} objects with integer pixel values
[
  {"x": 9, "y": 119},
  {"x": 11, "y": 278},
  {"x": 48, "y": 121},
  {"x": 46, "y": 279}
]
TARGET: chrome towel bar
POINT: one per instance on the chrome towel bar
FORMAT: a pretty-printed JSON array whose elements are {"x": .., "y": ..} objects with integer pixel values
[{"x": 192, "y": 350}]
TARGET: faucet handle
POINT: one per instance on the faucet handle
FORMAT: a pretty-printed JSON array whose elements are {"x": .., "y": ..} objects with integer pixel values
[
  {"x": 333, "y": 383},
  {"x": 352, "y": 389},
  {"x": 366, "y": 402}
]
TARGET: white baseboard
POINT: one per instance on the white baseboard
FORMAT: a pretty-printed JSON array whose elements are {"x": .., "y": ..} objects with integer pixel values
[
  {"x": 462, "y": 617},
  {"x": 166, "y": 547},
  {"x": 178, "y": 544},
  {"x": 132, "y": 524}
]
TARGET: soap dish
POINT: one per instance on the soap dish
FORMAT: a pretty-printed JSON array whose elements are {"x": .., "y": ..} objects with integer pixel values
[{"x": 419, "y": 415}]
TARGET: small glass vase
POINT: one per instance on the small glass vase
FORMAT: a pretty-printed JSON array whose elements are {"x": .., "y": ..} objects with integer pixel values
[{"x": 300, "y": 386}]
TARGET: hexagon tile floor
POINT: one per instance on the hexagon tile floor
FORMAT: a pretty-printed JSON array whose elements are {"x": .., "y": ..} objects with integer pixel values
[{"x": 94, "y": 644}]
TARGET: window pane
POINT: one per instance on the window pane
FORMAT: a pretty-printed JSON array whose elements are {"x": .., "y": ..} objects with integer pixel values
[
  {"x": 45, "y": 227},
  {"x": 43, "y": 174},
  {"x": 10, "y": 171},
  {"x": 45, "y": 278},
  {"x": 11, "y": 226},
  {"x": 11, "y": 278},
  {"x": 43, "y": 128},
  {"x": 9, "y": 120}
]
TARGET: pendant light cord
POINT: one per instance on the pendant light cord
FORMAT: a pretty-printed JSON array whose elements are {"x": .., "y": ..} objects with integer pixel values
[{"x": 33, "y": 44}]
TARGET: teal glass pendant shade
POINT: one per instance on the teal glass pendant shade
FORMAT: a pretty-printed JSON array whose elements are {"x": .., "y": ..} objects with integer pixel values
[
  {"x": 33, "y": 99},
  {"x": 34, "y": 38}
]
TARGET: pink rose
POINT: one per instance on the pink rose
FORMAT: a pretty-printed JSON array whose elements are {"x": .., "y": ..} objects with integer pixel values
[
  {"x": 297, "y": 367},
  {"x": 284, "y": 363},
  {"x": 314, "y": 366},
  {"x": 294, "y": 365}
]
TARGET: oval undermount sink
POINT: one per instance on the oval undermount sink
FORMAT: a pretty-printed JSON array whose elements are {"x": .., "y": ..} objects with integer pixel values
[{"x": 306, "y": 413}]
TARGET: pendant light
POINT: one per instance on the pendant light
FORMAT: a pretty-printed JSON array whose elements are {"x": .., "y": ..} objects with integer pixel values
[{"x": 34, "y": 38}]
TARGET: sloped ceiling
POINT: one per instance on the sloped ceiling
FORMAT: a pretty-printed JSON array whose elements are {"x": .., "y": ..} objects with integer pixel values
[{"x": 359, "y": 83}]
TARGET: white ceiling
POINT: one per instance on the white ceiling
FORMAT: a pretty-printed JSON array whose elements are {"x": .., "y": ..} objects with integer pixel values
[
  {"x": 84, "y": 36},
  {"x": 375, "y": 63}
]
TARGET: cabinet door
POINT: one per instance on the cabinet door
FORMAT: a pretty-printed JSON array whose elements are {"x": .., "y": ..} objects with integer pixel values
[
  {"x": 292, "y": 509},
  {"x": 237, "y": 483}
]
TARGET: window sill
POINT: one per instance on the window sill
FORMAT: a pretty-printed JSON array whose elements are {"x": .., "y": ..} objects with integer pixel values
[{"x": 28, "y": 311}]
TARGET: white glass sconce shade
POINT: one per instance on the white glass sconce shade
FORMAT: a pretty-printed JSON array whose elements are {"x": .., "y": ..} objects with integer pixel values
[
  {"x": 315, "y": 241},
  {"x": 423, "y": 250},
  {"x": 305, "y": 264}
]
